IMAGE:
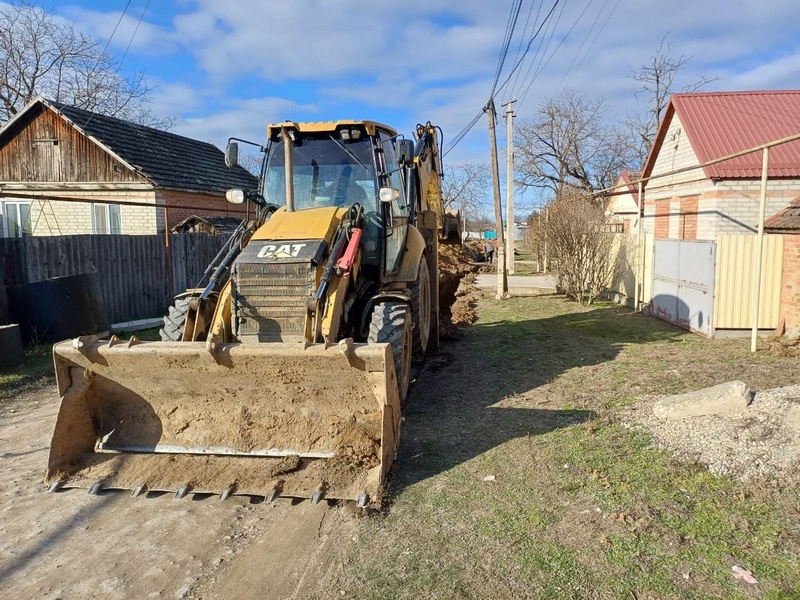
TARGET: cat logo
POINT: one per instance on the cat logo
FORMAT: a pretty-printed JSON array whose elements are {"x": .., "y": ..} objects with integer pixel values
[{"x": 280, "y": 250}]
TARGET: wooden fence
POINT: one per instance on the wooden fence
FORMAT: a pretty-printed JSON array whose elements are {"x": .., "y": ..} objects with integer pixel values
[{"x": 129, "y": 271}]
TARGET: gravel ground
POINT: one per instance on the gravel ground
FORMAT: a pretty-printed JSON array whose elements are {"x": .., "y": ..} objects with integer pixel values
[{"x": 757, "y": 443}]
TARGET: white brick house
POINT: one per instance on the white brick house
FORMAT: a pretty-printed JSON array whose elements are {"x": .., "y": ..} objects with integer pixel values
[{"x": 704, "y": 203}]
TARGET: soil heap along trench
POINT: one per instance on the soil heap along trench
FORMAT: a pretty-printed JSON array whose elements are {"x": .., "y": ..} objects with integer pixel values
[{"x": 456, "y": 294}]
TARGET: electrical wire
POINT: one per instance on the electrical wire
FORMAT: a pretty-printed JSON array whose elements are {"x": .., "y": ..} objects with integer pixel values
[
  {"x": 108, "y": 41},
  {"x": 135, "y": 31},
  {"x": 509, "y": 35},
  {"x": 528, "y": 47},
  {"x": 594, "y": 41},
  {"x": 511, "y": 24},
  {"x": 460, "y": 136}
]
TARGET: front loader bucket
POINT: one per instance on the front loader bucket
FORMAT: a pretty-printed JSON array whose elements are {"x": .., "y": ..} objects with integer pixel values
[{"x": 263, "y": 419}]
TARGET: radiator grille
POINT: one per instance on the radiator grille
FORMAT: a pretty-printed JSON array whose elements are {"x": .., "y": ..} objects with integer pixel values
[{"x": 271, "y": 300}]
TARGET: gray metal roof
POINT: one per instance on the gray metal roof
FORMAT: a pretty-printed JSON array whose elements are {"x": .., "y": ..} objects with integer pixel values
[{"x": 167, "y": 159}]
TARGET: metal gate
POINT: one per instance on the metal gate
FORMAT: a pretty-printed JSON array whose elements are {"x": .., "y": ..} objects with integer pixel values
[{"x": 683, "y": 283}]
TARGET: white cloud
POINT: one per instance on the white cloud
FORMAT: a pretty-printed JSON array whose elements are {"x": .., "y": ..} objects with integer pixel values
[
  {"x": 144, "y": 37},
  {"x": 245, "y": 119},
  {"x": 257, "y": 61}
]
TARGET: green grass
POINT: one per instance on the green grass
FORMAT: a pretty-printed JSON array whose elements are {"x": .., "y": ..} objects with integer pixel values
[
  {"x": 36, "y": 371},
  {"x": 581, "y": 505}
]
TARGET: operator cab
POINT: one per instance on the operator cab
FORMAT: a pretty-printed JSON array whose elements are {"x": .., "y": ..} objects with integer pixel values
[{"x": 352, "y": 163}]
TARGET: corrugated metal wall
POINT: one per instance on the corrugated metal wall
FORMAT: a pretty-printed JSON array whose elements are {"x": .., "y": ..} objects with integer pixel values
[
  {"x": 624, "y": 253},
  {"x": 129, "y": 271},
  {"x": 735, "y": 273}
]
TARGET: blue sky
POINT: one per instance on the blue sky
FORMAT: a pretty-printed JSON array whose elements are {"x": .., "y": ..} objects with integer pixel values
[{"x": 228, "y": 67}]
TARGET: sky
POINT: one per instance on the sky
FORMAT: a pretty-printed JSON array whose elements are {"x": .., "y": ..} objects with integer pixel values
[{"x": 226, "y": 68}]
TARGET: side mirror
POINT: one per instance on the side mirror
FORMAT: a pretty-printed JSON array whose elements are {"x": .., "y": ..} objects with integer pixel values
[
  {"x": 405, "y": 151},
  {"x": 235, "y": 196},
  {"x": 232, "y": 155},
  {"x": 387, "y": 194}
]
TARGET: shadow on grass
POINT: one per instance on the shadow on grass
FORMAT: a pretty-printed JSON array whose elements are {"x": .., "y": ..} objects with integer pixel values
[{"x": 451, "y": 414}]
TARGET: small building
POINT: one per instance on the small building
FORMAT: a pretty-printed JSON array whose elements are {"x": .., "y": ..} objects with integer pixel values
[
  {"x": 68, "y": 171},
  {"x": 622, "y": 208},
  {"x": 787, "y": 223},
  {"x": 209, "y": 225}
]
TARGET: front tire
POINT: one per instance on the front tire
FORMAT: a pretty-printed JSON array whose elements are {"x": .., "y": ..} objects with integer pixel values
[
  {"x": 391, "y": 324},
  {"x": 175, "y": 321}
]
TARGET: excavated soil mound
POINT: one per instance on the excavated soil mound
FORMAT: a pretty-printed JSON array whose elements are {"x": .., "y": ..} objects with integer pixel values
[{"x": 456, "y": 304}]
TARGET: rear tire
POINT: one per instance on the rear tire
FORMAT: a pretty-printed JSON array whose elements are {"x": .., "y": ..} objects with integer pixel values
[
  {"x": 175, "y": 321},
  {"x": 391, "y": 324},
  {"x": 421, "y": 309}
]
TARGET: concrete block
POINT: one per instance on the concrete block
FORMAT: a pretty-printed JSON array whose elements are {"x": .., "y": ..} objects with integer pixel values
[{"x": 718, "y": 399}]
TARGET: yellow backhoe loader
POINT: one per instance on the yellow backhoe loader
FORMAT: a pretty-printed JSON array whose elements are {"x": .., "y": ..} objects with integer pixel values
[{"x": 283, "y": 375}]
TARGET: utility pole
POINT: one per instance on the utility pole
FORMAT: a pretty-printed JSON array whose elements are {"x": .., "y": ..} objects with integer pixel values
[
  {"x": 502, "y": 281},
  {"x": 510, "y": 185}
]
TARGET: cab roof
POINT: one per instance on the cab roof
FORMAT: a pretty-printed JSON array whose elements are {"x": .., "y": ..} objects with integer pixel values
[{"x": 327, "y": 126}]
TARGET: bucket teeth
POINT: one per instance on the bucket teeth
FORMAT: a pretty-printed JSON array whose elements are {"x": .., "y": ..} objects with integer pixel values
[
  {"x": 56, "y": 486},
  {"x": 226, "y": 493},
  {"x": 319, "y": 494},
  {"x": 182, "y": 491},
  {"x": 139, "y": 490},
  {"x": 272, "y": 494},
  {"x": 96, "y": 488}
]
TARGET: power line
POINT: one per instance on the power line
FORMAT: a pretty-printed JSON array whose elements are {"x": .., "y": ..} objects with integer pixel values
[
  {"x": 510, "y": 26},
  {"x": 524, "y": 36},
  {"x": 122, "y": 16},
  {"x": 530, "y": 43},
  {"x": 463, "y": 132},
  {"x": 135, "y": 31},
  {"x": 589, "y": 49}
]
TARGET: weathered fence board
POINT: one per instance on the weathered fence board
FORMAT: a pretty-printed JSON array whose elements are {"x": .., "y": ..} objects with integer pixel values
[{"x": 129, "y": 271}]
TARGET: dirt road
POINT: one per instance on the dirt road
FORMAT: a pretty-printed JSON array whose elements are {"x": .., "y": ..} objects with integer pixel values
[{"x": 72, "y": 545}]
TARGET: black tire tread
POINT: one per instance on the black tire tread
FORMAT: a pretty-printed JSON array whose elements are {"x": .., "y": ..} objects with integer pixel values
[
  {"x": 389, "y": 324},
  {"x": 174, "y": 321},
  {"x": 419, "y": 338}
]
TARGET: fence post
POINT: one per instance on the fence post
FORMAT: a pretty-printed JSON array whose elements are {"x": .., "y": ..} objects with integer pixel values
[{"x": 760, "y": 250}]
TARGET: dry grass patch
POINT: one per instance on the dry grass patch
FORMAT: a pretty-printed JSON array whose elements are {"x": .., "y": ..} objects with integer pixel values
[{"x": 580, "y": 506}]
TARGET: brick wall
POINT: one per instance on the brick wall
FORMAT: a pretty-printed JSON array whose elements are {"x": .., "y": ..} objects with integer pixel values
[
  {"x": 58, "y": 217},
  {"x": 198, "y": 204},
  {"x": 790, "y": 286},
  {"x": 688, "y": 219},
  {"x": 662, "y": 219}
]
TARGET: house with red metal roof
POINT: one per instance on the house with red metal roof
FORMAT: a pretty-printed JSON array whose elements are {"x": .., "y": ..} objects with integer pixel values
[
  {"x": 701, "y": 207},
  {"x": 723, "y": 198}
]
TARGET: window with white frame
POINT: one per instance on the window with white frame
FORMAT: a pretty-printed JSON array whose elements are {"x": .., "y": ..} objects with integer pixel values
[
  {"x": 106, "y": 219},
  {"x": 16, "y": 219}
]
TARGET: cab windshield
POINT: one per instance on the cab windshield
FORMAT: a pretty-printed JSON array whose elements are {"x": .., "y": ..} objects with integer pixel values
[{"x": 327, "y": 172}]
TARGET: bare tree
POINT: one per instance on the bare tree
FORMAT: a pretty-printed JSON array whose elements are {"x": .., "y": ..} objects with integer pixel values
[
  {"x": 466, "y": 187},
  {"x": 41, "y": 54},
  {"x": 578, "y": 245},
  {"x": 571, "y": 143},
  {"x": 655, "y": 82}
]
